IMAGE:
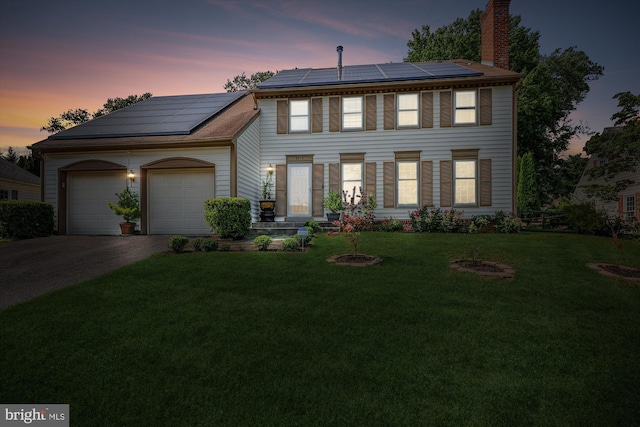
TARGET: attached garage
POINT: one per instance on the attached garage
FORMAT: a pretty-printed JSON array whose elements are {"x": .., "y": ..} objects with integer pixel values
[
  {"x": 87, "y": 197},
  {"x": 176, "y": 201}
]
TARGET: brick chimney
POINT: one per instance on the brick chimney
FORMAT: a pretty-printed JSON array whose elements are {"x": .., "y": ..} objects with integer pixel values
[{"x": 495, "y": 34}]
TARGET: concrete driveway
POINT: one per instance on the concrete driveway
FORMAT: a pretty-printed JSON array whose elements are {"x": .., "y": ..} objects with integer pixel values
[{"x": 31, "y": 267}]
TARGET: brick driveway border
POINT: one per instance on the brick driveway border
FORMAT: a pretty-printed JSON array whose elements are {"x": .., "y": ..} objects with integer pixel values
[{"x": 33, "y": 267}]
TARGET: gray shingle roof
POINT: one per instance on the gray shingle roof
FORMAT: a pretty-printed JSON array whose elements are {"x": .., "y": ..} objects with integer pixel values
[
  {"x": 13, "y": 172},
  {"x": 161, "y": 115}
]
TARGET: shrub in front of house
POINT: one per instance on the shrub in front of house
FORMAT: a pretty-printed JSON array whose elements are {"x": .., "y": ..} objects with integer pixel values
[
  {"x": 428, "y": 219},
  {"x": 196, "y": 244},
  {"x": 262, "y": 242},
  {"x": 291, "y": 244},
  {"x": 390, "y": 225},
  {"x": 178, "y": 243},
  {"x": 210, "y": 245},
  {"x": 23, "y": 219},
  {"x": 229, "y": 217},
  {"x": 313, "y": 227}
]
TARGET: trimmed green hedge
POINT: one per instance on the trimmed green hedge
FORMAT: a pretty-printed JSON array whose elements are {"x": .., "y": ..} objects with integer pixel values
[
  {"x": 229, "y": 217},
  {"x": 23, "y": 220}
]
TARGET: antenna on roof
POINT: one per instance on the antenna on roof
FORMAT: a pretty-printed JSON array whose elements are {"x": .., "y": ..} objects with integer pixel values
[{"x": 339, "y": 49}]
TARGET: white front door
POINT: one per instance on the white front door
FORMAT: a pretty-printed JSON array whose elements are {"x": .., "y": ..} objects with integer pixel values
[{"x": 299, "y": 190}]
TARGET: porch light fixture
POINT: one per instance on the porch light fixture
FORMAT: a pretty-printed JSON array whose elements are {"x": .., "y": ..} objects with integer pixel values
[
  {"x": 131, "y": 175},
  {"x": 270, "y": 170}
]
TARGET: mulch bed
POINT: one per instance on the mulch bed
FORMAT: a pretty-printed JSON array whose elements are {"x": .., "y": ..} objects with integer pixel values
[
  {"x": 613, "y": 270},
  {"x": 483, "y": 268},
  {"x": 357, "y": 260}
]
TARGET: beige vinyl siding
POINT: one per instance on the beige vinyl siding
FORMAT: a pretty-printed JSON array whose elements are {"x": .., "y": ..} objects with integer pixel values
[
  {"x": 435, "y": 144},
  {"x": 250, "y": 172},
  {"x": 26, "y": 192}
]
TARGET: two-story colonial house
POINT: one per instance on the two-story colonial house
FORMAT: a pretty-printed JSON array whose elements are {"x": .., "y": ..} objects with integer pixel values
[{"x": 411, "y": 134}]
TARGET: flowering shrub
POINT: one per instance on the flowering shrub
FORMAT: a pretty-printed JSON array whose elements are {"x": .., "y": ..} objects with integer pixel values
[
  {"x": 478, "y": 224},
  {"x": 507, "y": 222},
  {"x": 390, "y": 225},
  {"x": 435, "y": 220},
  {"x": 357, "y": 216}
]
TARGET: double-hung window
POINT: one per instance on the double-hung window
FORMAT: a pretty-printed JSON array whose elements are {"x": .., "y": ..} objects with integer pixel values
[
  {"x": 299, "y": 115},
  {"x": 630, "y": 207},
  {"x": 408, "y": 110},
  {"x": 407, "y": 182},
  {"x": 464, "y": 182},
  {"x": 4, "y": 194},
  {"x": 465, "y": 107},
  {"x": 352, "y": 179},
  {"x": 352, "y": 113}
]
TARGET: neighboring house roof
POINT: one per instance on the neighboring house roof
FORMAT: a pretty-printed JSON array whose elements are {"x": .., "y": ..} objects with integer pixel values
[
  {"x": 164, "y": 121},
  {"x": 391, "y": 74},
  {"x": 12, "y": 172}
]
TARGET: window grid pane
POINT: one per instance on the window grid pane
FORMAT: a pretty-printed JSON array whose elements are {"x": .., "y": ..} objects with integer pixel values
[
  {"x": 352, "y": 112},
  {"x": 465, "y": 107},
  {"x": 408, "y": 110},
  {"x": 299, "y": 116}
]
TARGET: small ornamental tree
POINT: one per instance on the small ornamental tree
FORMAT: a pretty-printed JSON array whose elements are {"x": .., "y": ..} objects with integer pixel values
[
  {"x": 128, "y": 206},
  {"x": 357, "y": 216},
  {"x": 527, "y": 191}
]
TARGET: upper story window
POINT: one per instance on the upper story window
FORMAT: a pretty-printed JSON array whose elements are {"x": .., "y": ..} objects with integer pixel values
[
  {"x": 465, "y": 107},
  {"x": 408, "y": 110},
  {"x": 352, "y": 113},
  {"x": 299, "y": 115},
  {"x": 464, "y": 182}
]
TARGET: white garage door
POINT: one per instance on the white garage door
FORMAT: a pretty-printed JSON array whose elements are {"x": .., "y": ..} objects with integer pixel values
[
  {"x": 88, "y": 194},
  {"x": 176, "y": 201}
]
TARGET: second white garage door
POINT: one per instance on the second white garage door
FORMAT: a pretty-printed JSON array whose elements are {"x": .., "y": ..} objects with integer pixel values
[{"x": 176, "y": 201}]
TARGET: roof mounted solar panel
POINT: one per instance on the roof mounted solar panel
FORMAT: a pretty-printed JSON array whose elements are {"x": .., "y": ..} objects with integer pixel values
[
  {"x": 373, "y": 73},
  {"x": 162, "y": 115}
]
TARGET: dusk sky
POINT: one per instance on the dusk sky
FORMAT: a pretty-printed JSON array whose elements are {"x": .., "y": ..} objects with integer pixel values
[{"x": 67, "y": 54}]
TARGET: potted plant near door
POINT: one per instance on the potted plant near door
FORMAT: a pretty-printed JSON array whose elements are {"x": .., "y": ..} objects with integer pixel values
[
  {"x": 128, "y": 207},
  {"x": 267, "y": 204},
  {"x": 333, "y": 202}
]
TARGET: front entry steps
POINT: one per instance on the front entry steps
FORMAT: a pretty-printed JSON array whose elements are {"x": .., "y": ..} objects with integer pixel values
[{"x": 287, "y": 228}]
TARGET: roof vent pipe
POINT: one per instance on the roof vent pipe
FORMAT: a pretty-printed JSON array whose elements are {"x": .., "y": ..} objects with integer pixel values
[{"x": 339, "y": 49}]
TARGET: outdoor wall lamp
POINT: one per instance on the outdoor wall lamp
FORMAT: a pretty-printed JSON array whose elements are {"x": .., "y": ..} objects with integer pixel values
[
  {"x": 270, "y": 170},
  {"x": 131, "y": 175}
]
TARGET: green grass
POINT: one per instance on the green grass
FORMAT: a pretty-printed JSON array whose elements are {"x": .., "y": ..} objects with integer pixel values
[{"x": 286, "y": 339}]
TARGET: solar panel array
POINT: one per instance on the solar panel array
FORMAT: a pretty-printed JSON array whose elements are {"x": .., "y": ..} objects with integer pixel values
[
  {"x": 368, "y": 74},
  {"x": 162, "y": 115}
]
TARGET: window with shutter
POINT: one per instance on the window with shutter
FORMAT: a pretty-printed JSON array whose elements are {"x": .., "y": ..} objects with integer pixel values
[
  {"x": 282, "y": 119},
  {"x": 407, "y": 110},
  {"x": 334, "y": 114},
  {"x": 445, "y": 109},
  {"x": 316, "y": 115},
  {"x": 389, "y": 111},
  {"x": 486, "y": 107},
  {"x": 427, "y": 109},
  {"x": 372, "y": 114}
]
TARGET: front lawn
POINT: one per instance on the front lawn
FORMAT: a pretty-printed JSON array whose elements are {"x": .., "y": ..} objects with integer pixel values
[{"x": 286, "y": 339}]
